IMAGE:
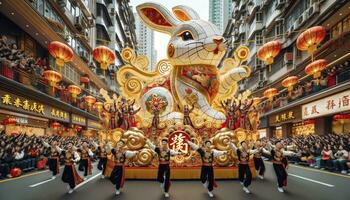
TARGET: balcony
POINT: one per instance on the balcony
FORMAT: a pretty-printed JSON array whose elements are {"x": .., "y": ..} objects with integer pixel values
[
  {"x": 272, "y": 16},
  {"x": 255, "y": 26},
  {"x": 253, "y": 6}
]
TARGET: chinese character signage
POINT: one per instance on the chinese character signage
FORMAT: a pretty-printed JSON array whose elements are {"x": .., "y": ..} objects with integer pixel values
[
  {"x": 79, "y": 120},
  {"x": 177, "y": 142},
  {"x": 22, "y": 104},
  {"x": 59, "y": 114},
  {"x": 329, "y": 105},
  {"x": 286, "y": 116}
]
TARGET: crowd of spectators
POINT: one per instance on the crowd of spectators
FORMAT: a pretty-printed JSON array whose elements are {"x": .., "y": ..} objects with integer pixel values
[
  {"x": 28, "y": 70},
  {"x": 24, "y": 152},
  {"x": 329, "y": 78},
  {"x": 327, "y": 152}
]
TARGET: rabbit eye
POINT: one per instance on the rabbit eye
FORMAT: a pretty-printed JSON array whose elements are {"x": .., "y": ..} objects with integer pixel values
[{"x": 186, "y": 36}]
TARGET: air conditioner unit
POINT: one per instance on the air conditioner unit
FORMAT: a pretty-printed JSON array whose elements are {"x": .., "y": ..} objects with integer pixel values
[{"x": 280, "y": 3}]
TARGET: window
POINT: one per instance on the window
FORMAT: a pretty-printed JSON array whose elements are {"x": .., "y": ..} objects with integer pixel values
[
  {"x": 279, "y": 29},
  {"x": 261, "y": 75},
  {"x": 259, "y": 16},
  {"x": 258, "y": 38}
]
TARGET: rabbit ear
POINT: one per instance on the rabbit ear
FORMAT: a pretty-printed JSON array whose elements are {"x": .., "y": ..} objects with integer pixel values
[
  {"x": 185, "y": 13},
  {"x": 157, "y": 17}
]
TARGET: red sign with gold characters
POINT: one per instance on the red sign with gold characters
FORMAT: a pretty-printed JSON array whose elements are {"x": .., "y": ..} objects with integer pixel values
[
  {"x": 333, "y": 104},
  {"x": 177, "y": 142}
]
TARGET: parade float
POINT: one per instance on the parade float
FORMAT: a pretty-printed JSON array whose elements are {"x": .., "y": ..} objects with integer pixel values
[{"x": 192, "y": 95}]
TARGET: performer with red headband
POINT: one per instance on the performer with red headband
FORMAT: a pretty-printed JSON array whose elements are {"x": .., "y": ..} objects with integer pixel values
[
  {"x": 70, "y": 174},
  {"x": 207, "y": 171},
  {"x": 164, "y": 154},
  {"x": 278, "y": 155},
  {"x": 54, "y": 162},
  {"x": 85, "y": 155},
  {"x": 120, "y": 155},
  {"x": 244, "y": 173}
]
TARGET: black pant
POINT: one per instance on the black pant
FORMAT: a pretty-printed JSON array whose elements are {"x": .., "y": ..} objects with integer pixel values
[
  {"x": 207, "y": 174},
  {"x": 281, "y": 174},
  {"x": 244, "y": 170},
  {"x": 326, "y": 164},
  {"x": 4, "y": 169},
  {"x": 85, "y": 165},
  {"x": 102, "y": 164},
  {"x": 164, "y": 169},
  {"x": 259, "y": 165},
  {"x": 117, "y": 176},
  {"x": 53, "y": 165}
]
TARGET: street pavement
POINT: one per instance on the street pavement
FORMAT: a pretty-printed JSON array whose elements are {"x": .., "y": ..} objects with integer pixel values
[{"x": 303, "y": 184}]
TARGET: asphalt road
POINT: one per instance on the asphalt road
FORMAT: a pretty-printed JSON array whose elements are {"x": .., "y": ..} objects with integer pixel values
[{"x": 303, "y": 184}]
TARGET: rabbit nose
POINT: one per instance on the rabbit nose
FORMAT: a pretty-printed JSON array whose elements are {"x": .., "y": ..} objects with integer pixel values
[{"x": 218, "y": 40}]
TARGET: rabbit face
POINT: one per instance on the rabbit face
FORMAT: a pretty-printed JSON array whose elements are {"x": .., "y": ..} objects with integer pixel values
[
  {"x": 193, "y": 41},
  {"x": 196, "y": 42}
]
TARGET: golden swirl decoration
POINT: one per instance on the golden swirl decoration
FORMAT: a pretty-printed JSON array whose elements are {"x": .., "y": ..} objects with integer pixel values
[
  {"x": 135, "y": 139},
  {"x": 242, "y": 53},
  {"x": 198, "y": 122},
  {"x": 223, "y": 160},
  {"x": 144, "y": 157},
  {"x": 222, "y": 139},
  {"x": 247, "y": 69},
  {"x": 133, "y": 86},
  {"x": 208, "y": 124},
  {"x": 240, "y": 134},
  {"x": 164, "y": 67},
  {"x": 128, "y": 54},
  {"x": 141, "y": 62}
]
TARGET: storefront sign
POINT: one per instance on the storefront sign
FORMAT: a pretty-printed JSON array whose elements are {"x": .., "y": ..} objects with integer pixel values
[
  {"x": 79, "y": 120},
  {"x": 21, "y": 120},
  {"x": 286, "y": 116},
  {"x": 330, "y": 105},
  {"x": 94, "y": 124},
  {"x": 24, "y": 105}
]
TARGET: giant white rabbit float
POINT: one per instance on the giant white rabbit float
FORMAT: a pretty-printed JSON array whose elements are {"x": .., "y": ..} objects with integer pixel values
[{"x": 191, "y": 75}]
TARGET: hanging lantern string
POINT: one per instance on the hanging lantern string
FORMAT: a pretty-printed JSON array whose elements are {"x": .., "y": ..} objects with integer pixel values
[
  {"x": 306, "y": 76},
  {"x": 78, "y": 35}
]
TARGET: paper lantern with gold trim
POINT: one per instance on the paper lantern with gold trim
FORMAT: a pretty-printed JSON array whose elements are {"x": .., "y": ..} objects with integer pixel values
[
  {"x": 309, "y": 39},
  {"x": 315, "y": 68},
  {"x": 270, "y": 93},
  {"x": 74, "y": 91},
  {"x": 289, "y": 82},
  {"x": 269, "y": 51},
  {"x": 98, "y": 106},
  {"x": 61, "y": 52},
  {"x": 55, "y": 125},
  {"x": 105, "y": 56},
  {"x": 52, "y": 77},
  {"x": 90, "y": 100}
]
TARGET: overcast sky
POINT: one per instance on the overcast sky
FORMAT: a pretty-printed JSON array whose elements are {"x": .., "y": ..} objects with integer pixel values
[{"x": 161, "y": 40}]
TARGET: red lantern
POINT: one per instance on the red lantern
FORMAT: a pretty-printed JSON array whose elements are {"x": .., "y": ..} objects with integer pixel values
[
  {"x": 15, "y": 172},
  {"x": 98, "y": 106},
  {"x": 316, "y": 67},
  {"x": 269, "y": 51},
  {"x": 105, "y": 56},
  {"x": 309, "y": 39},
  {"x": 270, "y": 93},
  {"x": 78, "y": 128},
  {"x": 53, "y": 77},
  {"x": 61, "y": 52},
  {"x": 289, "y": 82},
  {"x": 74, "y": 90},
  {"x": 9, "y": 121},
  {"x": 56, "y": 125},
  {"x": 90, "y": 100}
]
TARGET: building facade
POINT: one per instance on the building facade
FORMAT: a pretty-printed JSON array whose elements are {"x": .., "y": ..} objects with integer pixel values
[
  {"x": 25, "y": 94},
  {"x": 255, "y": 22},
  {"x": 145, "y": 42},
  {"x": 220, "y": 12}
]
